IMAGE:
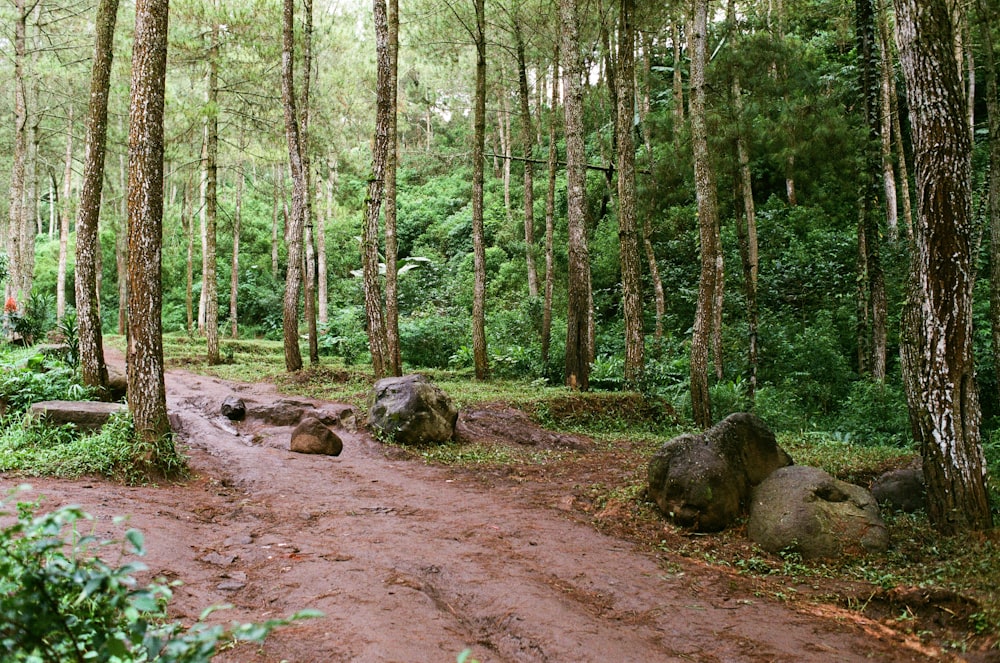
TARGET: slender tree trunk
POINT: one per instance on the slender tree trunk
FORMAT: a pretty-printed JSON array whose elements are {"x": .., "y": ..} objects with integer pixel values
[
  {"x": 550, "y": 211},
  {"x": 16, "y": 207},
  {"x": 628, "y": 235},
  {"x": 234, "y": 271},
  {"x": 904, "y": 172},
  {"x": 747, "y": 237},
  {"x": 708, "y": 221},
  {"x": 578, "y": 348},
  {"x": 146, "y": 392},
  {"x": 659, "y": 297},
  {"x": 64, "y": 220},
  {"x": 377, "y": 341},
  {"x": 987, "y": 18},
  {"x": 885, "y": 123},
  {"x": 210, "y": 286},
  {"x": 187, "y": 221},
  {"x": 937, "y": 356},
  {"x": 296, "y": 220},
  {"x": 869, "y": 200},
  {"x": 278, "y": 199},
  {"x": 88, "y": 248},
  {"x": 678, "y": 82},
  {"x": 203, "y": 228},
  {"x": 478, "y": 239},
  {"x": 53, "y": 205},
  {"x": 394, "y": 361},
  {"x": 321, "y": 270},
  {"x": 309, "y": 289},
  {"x": 121, "y": 244},
  {"x": 527, "y": 142}
]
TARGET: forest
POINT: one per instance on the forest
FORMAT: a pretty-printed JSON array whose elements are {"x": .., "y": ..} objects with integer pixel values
[{"x": 727, "y": 206}]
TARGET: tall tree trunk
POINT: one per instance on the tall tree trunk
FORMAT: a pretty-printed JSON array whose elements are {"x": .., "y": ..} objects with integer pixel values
[
  {"x": 377, "y": 341},
  {"x": 67, "y": 210},
  {"x": 234, "y": 271},
  {"x": 203, "y": 228},
  {"x": 278, "y": 200},
  {"x": 869, "y": 199},
  {"x": 16, "y": 216},
  {"x": 659, "y": 297},
  {"x": 938, "y": 335},
  {"x": 746, "y": 231},
  {"x": 904, "y": 172},
  {"x": 293, "y": 229},
  {"x": 309, "y": 289},
  {"x": 550, "y": 211},
  {"x": 321, "y": 269},
  {"x": 527, "y": 142},
  {"x": 146, "y": 392},
  {"x": 121, "y": 245},
  {"x": 987, "y": 18},
  {"x": 210, "y": 286},
  {"x": 885, "y": 122},
  {"x": 187, "y": 223},
  {"x": 394, "y": 361},
  {"x": 708, "y": 221},
  {"x": 578, "y": 349},
  {"x": 88, "y": 248},
  {"x": 478, "y": 239},
  {"x": 678, "y": 82},
  {"x": 628, "y": 236}
]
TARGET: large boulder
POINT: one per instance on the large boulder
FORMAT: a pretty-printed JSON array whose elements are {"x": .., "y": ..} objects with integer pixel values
[
  {"x": 312, "y": 436},
  {"x": 233, "y": 408},
  {"x": 805, "y": 510},
  {"x": 901, "y": 490},
  {"x": 704, "y": 481},
  {"x": 412, "y": 410}
]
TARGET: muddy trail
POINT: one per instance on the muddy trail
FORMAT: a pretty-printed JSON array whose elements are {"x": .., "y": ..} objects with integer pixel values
[{"x": 416, "y": 563}]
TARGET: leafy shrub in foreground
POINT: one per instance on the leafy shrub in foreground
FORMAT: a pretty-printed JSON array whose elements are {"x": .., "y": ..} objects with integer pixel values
[
  {"x": 41, "y": 380},
  {"x": 60, "y": 602}
]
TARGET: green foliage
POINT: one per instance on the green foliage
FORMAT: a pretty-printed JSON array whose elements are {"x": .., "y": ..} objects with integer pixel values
[
  {"x": 60, "y": 602},
  {"x": 68, "y": 329},
  {"x": 41, "y": 379},
  {"x": 32, "y": 321},
  {"x": 430, "y": 341},
  {"x": 344, "y": 335},
  {"x": 34, "y": 448}
]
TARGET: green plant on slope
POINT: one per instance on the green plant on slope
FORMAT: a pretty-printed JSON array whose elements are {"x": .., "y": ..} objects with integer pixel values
[{"x": 60, "y": 602}]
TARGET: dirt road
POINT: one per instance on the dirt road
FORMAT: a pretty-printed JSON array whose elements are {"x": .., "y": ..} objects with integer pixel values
[{"x": 415, "y": 563}]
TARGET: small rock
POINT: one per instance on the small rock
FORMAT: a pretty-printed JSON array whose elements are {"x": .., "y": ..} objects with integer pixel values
[
  {"x": 234, "y": 409},
  {"x": 231, "y": 585},
  {"x": 901, "y": 490},
  {"x": 218, "y": 560},
  {"x": 311, "y": 436}
]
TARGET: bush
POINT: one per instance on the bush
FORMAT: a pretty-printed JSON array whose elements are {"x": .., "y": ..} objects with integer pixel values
[
  {"x": 60, "y": 602},
  {"x": 875, "y": 414},
  {"x": 32, "y": 321},
  {"x": 430, "y": 341}
]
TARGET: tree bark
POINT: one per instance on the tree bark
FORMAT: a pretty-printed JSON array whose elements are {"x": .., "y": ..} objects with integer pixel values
[
  {"x": 234, "y": 271},
  {"x": 746, "y": 231},
  {"x": 88, "y": 316},
  {"x": 885, "y": 123},
  {"x": 146, "y": 392},
  {"x": 578, "y": 349},
  {"x": 16, "y": 214},
  {"x": 678, "y": 83},
  {"x": 527, "y": 142},
  {"x": 550, "y": 211},
  {"x": 187, "y": 223},
  {"x": 987, "y": 18},
  {"x": 67, "y": 211},
  {"x": 708, "y": 222},
  {"x": 210, "y": 286},
  {"x": 628, "y": 236},
  {"x": 321, "y": 269},
  {"x": 293, "y": 229},
  {"x": 121, "y": 245},
  {"x": 394, "y": 361},
  {"x": 938, "y": 333},
  {"x": 309, "y": 271},
  {"x": 478, "y": 240},
  {"x": 377, "y": 341}
]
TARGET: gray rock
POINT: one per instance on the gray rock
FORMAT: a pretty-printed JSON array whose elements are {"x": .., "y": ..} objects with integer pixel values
[
  {"x": 233, "y": 408},
  {"x": 85, "y": 415},
  {"x": 117, "y": 385},
  {"x": 704, "y": 481},
  {"x": 901, "y": 490},
  {"x": 805, "y": 510},
  {"x": 312, "y": 436},
  {"x": 412, "y": 410}
]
